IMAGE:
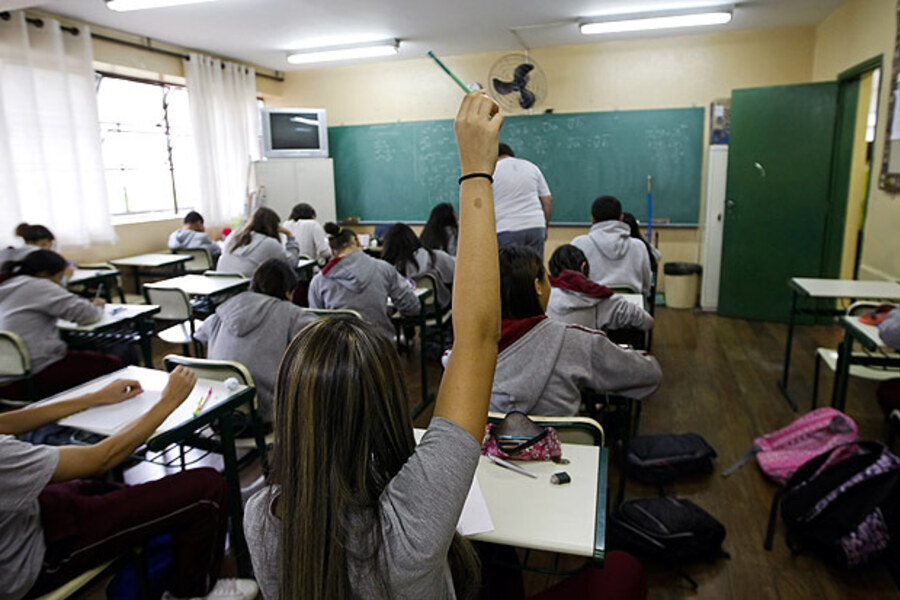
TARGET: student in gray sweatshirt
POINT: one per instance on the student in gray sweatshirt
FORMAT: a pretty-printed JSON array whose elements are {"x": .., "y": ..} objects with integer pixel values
[
  {"x": 576, "y": 300},
  {"x": 889, "y": 330},
  {"x": 544, "y": 364},
  {"x": 405, "y": 251},
  {"x": 255, "y": 327},
  {"x": 32, "y": 299},
  {"x": 615, "y": 258},
  {"x": 36, "y": 237},
  {"x": 256, "y": 242},
  {"x": 355, "y": 280},
  {"x": 192, "y": 236}
]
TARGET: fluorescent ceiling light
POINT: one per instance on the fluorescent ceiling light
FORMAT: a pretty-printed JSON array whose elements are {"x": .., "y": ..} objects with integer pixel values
[
  {"x": 125, "y": 5},
  {"x": 385, "y": 48},
  {"x": 650, "y": 23}
]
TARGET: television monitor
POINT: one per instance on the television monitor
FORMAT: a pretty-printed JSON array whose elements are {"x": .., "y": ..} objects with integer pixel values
[{"x": 294, "y": 132}]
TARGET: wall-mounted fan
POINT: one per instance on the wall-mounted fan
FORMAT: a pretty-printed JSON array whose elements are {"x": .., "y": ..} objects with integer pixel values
[{"x": 517, "y": 83}]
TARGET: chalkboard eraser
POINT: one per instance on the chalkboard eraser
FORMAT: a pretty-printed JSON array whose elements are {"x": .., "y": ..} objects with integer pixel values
[
  {"x": 350, "y": 221},
  {"x": 661, "y": 220}
]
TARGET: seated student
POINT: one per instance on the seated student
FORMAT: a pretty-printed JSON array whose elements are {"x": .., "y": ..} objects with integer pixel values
[
  {"x": 357, "y": 509},
  {"x": 404, "y": 250},
  {"x": 255, "y": 327},
  {"x": 36, "y": 237},
  {"x": 576, "y": 300},
  {"x": 544, "y": 364},
  {"x": 256, "y": 242},
  {"x": 889, "y": 329},
  {"x": 442, "y": 229},
  {"x": 55, "y": 524},
  {"x": 309, "y": 234},
  {"x": 32, "y": 298},
  {"x": 635, "y": 229},
  {"x": 614, "y": 256},
  {"x": 192, "y": 236},
  {"x": 353, "y": 279}
]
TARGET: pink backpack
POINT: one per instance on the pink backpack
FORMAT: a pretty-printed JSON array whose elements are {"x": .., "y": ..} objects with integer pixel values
[{"x": 785, "y": 450}]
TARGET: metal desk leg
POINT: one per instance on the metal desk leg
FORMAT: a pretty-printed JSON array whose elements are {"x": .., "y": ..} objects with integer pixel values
[
  {"x": 145, "y": 334},
  {"x": 783, "y": 384},
  {"x": 238, "y": 544},
  {"x": 137, "y": 280},
  {"x": 842, "y": 373}
]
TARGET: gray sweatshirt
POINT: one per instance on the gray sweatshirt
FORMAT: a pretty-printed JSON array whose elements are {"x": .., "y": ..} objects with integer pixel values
[
  {"x": 615, "y": 312},
  {"x": 254, "y": 330},
  {"x": 616, "y": 258},
  {"x": 544, "y": 365},
  {"x": 364, "y": 284},
  {"x": 16, "y": 253},
  {"x": 261, "y": 248},
  {"x": 890, "y": 329},
  {"x": 441, "y": 267},
  {"x": 30, "y": 307},
  {"x": 188, "y": 239}
]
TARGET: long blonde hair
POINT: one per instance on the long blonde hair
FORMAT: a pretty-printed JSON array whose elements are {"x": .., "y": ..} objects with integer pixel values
[{"x": 342, "y": 432}]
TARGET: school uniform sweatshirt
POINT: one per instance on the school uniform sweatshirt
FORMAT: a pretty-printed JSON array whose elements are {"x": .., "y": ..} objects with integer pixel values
[
  {"x": 616, "y": 258},
  {"x": 14, "y": 253},
  {"x": 442, "y": 267},
  {"x": 254, "y": 330},
  {"x": 188, "y": 239},
  {"x": 30, "y": 307},
  {"x": 261, "y": 248},
  {"x": 364, "y": 284},
  {"x": 889, "y": 330},
  {"x": 576, "y": 300},
  {"x": 544, "y": 365}
]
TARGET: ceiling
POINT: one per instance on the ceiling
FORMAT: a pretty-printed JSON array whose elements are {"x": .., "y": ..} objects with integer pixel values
[{"x": 262, "y": 31}]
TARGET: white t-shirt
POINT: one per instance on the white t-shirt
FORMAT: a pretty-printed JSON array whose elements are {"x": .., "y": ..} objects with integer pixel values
[{"x": 518, "y": 187}]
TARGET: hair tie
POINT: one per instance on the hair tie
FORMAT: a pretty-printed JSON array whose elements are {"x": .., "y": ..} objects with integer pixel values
[{"x": 487, "y": 176}]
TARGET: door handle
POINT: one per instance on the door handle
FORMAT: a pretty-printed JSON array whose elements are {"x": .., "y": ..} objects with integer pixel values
[{"x": 729, "y": 203}]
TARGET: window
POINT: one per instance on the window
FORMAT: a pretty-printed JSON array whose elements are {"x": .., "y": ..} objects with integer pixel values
[{"x": 148, "y": 151}]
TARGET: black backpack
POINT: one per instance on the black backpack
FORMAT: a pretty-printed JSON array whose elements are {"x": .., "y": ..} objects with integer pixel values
[
  {"x": 660, "y": 459},
  {"x": 667, "y": 530},
  {"x": 848, "y": 512}
]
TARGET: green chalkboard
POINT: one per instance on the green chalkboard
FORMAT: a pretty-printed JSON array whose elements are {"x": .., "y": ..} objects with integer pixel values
[{"x": 398, "y": 171}]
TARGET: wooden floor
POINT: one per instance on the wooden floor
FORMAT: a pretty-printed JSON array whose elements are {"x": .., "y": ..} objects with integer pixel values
[{"x": 720, "y": 381}]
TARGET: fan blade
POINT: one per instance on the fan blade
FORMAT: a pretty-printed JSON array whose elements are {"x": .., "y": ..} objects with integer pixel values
[
  {"x": 526, "y": 98},
  {"x": 521, "y": 74},
  {"x": 504, "y": 87}
]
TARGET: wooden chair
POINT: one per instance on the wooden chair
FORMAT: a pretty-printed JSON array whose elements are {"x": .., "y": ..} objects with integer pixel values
[
  {"x": 201, "y": 260},
  {"x": 829, "y": 357},
  {"x": 220, "y": 370},
  {"x": 15, "y": 361},
  {"x": 174, "y": 305}
]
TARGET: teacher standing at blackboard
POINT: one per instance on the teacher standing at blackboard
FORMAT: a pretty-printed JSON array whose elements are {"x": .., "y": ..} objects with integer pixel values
[{"x": 522, "y": 202}]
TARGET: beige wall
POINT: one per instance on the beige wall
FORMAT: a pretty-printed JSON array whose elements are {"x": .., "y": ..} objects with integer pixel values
[
  {"x": 859, "y": 178},
  {"x": 856, "y": 31},
  {"x": 628, "y": 75},
  {"x": 133, "y": 238}
]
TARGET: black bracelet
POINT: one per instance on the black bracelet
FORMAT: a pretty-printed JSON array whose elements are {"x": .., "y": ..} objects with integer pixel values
[{"x": 474, "y": 175}]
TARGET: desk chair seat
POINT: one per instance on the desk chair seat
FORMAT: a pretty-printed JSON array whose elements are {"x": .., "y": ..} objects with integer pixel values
[
  {"x": 15, "y": 362},
  {"x": 829, "y": 357},
  {"x": 73, "y": 586},
  {"x": 174, "y": 305},
  {"x": 623, "y": 288},
  {"x": 220, "y": 370}
]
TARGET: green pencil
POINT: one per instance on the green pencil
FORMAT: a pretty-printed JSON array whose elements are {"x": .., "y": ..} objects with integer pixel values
[{"x": 449, "y": 72}]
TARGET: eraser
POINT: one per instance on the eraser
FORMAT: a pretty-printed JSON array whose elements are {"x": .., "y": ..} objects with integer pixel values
[
  {"x": 560, "y": 478},
  {"x": 231, "y": 384}
]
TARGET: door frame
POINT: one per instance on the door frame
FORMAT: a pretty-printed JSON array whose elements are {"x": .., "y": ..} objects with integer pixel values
[{"x": 839, "y": 183}]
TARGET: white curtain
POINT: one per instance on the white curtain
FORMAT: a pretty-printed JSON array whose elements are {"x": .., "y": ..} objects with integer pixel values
[
  {"x": 224, "y": 118},
  {"x": 51, "y": 167}
]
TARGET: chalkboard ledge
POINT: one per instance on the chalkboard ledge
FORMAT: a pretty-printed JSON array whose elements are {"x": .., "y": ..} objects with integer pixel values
[{"x": 553, "y": 224}]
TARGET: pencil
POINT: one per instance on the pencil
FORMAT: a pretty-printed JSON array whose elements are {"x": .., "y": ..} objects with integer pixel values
[
  {"x": 452, "y": 75},
  {"x": 508, "y": 465}
]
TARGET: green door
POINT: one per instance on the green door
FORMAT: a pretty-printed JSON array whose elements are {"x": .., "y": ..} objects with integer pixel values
[{"x": 777, "y": 196}]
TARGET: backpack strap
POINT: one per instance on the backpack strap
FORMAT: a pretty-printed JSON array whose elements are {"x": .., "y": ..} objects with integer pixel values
[
  {"x": 741, "y": 462},
  {"x": 773, "y": 517}
]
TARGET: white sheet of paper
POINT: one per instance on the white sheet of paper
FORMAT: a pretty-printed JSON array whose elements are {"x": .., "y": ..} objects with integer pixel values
[{"x": 475, "y": 517}]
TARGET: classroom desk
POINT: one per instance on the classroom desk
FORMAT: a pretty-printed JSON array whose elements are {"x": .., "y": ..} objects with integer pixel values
[
  {"x": 151, "y": 261},
  {"x": 636, "y": 299},
  {"x": 828, "y": 289},
  {"x": 869, "y": 338},
  {"x": 181, "y": 424},
  {"x": 419, "y": 321},
  {"x": 119, "y": 323},
  {"x": 305, "y": 268},
  {"x": 92, "y": 277},
  {"x": 212, "y": 287}
]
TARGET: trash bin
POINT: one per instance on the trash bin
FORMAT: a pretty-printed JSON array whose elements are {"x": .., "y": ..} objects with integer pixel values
[{"x": 682, "y": 284}]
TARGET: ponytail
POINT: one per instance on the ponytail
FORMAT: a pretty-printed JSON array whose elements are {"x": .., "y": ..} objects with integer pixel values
[{"x": 339, "y": 237}]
